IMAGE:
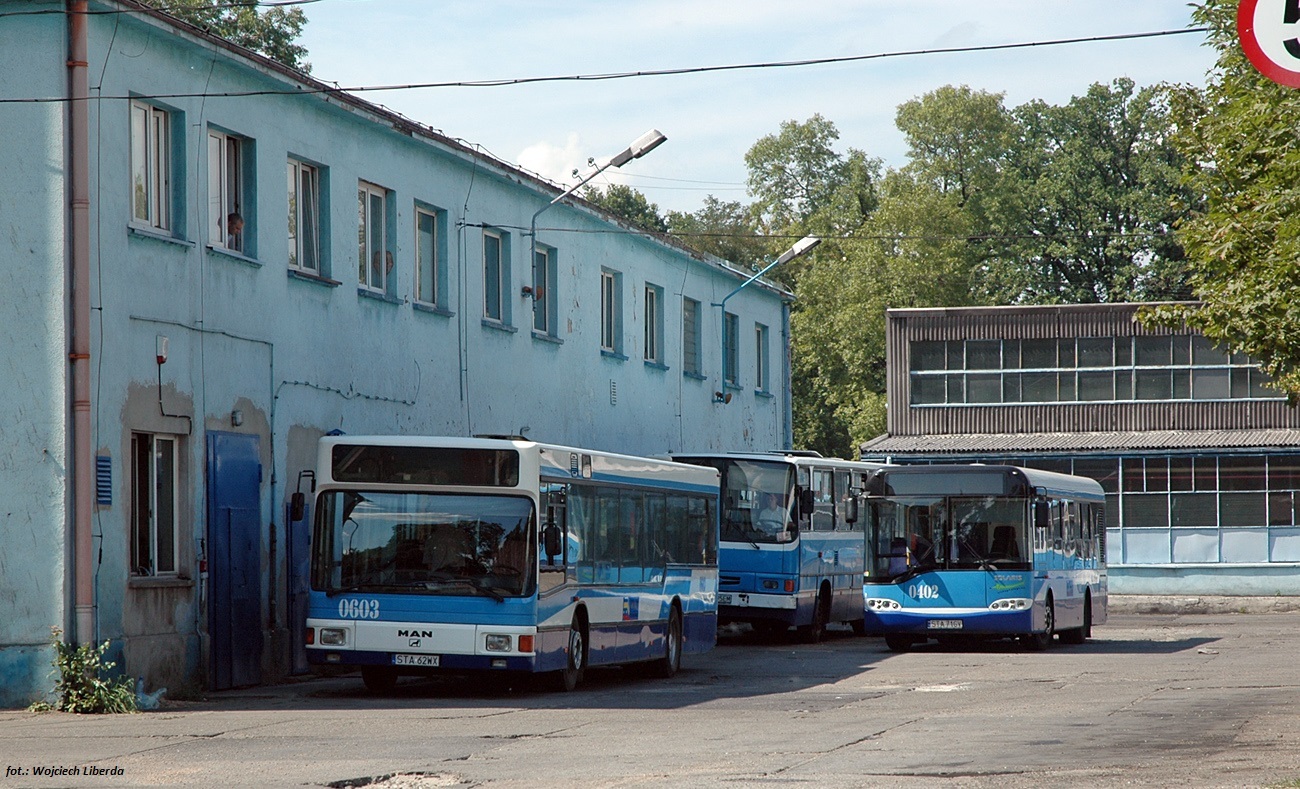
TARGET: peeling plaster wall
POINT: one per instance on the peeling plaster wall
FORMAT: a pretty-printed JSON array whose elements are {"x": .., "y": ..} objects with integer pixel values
[{"x": 34, "y": 439}]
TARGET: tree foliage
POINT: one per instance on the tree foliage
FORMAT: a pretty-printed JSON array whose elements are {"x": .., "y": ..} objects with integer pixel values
[
  {"x": 726, "y": 229},
  {"x": 1238, "y": 140},
  {"x": 628, "y": 203},
  {"x": 272, "y": 32}
]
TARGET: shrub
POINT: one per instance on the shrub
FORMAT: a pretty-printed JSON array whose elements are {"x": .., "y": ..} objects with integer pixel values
[{"x": 83, "y": 684}]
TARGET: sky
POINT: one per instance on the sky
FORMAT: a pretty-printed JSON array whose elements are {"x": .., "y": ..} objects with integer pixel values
[{"x": 711, "y": 119}]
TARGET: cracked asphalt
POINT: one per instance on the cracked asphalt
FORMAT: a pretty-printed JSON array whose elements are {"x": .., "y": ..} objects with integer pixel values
[{"x": 1155, "y": 699}]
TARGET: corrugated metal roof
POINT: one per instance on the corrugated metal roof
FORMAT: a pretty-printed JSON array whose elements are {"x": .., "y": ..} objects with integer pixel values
[{"x": 1082, "y": 442}]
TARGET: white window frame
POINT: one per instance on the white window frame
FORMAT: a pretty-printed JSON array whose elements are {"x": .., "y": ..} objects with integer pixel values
[
  {"x": 692, "y": 345},
  {"x": 494, "y": 278},
  {"x": 159, "y": 491},
  {"x": 731, "y": 342},
  {"x": 374, "y": 258},
  {"x": 150, "y": 165},
  {"x": 762, "y": 365},
  {"x": 304, "y": 216},
  {"x": 428, "y": 258},
  {"x": 611, "y": 312},
  {"x": 226, "y": 190},
  {"x": 543, "y": 281},
  {"x": 654, "y": 324}
]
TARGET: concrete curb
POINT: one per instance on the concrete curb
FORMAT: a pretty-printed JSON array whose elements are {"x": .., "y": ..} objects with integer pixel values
[{"x": 1205, "y": 604}]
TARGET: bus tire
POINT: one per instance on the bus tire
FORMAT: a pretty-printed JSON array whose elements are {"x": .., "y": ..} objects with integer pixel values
[
  {"x": 379, "y": 679},
  {"x": 1080, "y": 634},
  {"x": 813, "y": 632},
  {"x": 668, "y": 665},
  {"x": 1037, "y": 642},
  {"x": 898, "y": 642},
  {"x": 575, "y": 664}
]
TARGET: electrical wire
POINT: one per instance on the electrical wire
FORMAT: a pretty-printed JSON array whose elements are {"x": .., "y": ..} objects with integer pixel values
[{"x": 493, "y": 83}]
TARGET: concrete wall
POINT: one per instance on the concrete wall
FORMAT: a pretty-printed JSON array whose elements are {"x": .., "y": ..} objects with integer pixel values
[
  {"x": 298, "y": 356},
  {"x": 33, "y": 355}
]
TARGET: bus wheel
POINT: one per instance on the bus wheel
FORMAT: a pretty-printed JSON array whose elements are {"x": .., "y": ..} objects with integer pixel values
[
  {"x": 812, "y": 632},
  {"x": 1080, "y": 634},
  {"x": 379, "y": 679},
  {"x": 571, "y": 675},
  {"x": 671, "y": 662},
  {"x": 1037, "y": 642},
  {"x": 898, "y": 643}
]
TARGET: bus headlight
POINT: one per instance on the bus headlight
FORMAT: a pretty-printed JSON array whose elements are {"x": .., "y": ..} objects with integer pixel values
[
  {"x": 497, "y": 643},
  {"x": 1011, "y": 604},
  {"x": 333, "y": 636},
  {"x": 881, "y": 604}
]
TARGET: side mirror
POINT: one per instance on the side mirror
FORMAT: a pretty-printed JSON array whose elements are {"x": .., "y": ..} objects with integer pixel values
[
  {"x": 807, "y": 503},
  {"x": 1041, "y": 515},
  {"x": 297, "y": 506},
  {"x": 551, "y": 541},
  {"x": 851, "y": 510}
]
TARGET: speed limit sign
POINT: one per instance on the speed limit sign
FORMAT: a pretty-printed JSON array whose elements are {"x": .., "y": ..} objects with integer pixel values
[{"x": 1270, "y": 36}]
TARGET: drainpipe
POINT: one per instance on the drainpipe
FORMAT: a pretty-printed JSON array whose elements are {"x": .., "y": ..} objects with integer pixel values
[{"x": 79, "y": 298}]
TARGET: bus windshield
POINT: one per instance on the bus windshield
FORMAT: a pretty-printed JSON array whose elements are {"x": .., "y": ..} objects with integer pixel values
[
  {"x": 918, "y": 533},
  {"x": 424, "y": 543},
  {"x": 756, "y": 499}
]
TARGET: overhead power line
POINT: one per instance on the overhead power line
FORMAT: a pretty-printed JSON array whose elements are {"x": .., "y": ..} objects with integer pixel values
[
  {"x": 494, "y": 83},
  {"x": 165, "y": 8}
]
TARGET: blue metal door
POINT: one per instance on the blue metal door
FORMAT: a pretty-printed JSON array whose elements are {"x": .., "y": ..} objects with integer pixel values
[
  {"x": 298, "y": 561},
  {"x": 234, "y": 560}
]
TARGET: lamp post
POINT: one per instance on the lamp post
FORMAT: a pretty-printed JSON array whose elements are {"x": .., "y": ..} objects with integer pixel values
[
  {"x": 801, "y": 247},
  {"x": 639, "y": 147}
]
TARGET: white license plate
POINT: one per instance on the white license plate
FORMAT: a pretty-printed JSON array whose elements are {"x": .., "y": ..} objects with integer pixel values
[
  {"x": 724, "y": 599},
  {"x": 415, "y": 660},
  {"x": 944, "y": 624}
]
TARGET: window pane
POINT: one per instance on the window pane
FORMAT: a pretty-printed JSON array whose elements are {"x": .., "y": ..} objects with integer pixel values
[
  {"x": 362, "y": 235},
  {"x": 1097, "y": 386},
  {"x": 1157, "y": 474},
  {"x": 1065, "y": 387},
  {"x": 1243, "y": 509},
  {"x": 1038, "y": 387},
  {"x": 1065, "y": 354},
  {"x": 1124, "y": 385},
  {"x": 956, "y": 355},
  {"x": 1246, "y": 472},
  {"x": 983, "y": 388},
  {"x": 1153, "y": 384},
  {"x": 1240, "y": 382},
  {"x": 1281, "y": 509},
  {"x": 928, "y": 389},
  {"x": 1180, "y": 473},
  {"x": 309, "y": 197},
  {"x": 1123, "y": 351},
  {"x": 930, "y": 355},
  {"x": 1284, "y": 472},
  {"x": 1209, "y": 384},
  {"x": 425, "y": 237},
  {"x": 1011, "y": 388},
  {"x": 956, "y": 389},
  {"x": 293, "y": 213},
  {"x": 1134, "y": 475},
  {"x": 140, "y": 162},
  {"x": 1145, "y": 510},
  {"x": 1206, "y": 473},
  {"x": 165, "y": 503},
  {"x": 541, "y": 288},
  {"x": 1259, "y": 384},
  {"x": 1182, "y": 380},
  {"x": 690, "y": 336},
  {"x": 1181, "y": 344},
  {"x": 1152, "y": 351},
  {"x": 1193, "y": 510},
  {"x": 380, "y": 257},
  {"x": 983, "y": 354},
  {"x": 1204, "y": 352},
  {"x": 1104, "y": 470},
  {"x": 492, "y": 276},
  {"x": 1096, "y": 352},
  {"x": 1037, "y": 354}
]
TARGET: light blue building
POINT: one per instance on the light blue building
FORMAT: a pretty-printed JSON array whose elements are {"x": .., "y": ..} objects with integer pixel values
[{"x": 165, "y": 373}]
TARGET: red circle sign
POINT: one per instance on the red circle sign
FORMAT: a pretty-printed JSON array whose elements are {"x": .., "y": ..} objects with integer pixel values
[{"x": 1270, "y": 36}]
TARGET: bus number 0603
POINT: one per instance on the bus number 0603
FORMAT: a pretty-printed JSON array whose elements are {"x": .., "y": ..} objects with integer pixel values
[{"x": 358, "y": 609}]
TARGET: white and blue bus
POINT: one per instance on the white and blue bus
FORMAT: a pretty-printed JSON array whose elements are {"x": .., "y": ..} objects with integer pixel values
[
  {"x": 793, "y": 549},
  {"x": 498, "y": 555},
  {"x": 973, "y": 550}
]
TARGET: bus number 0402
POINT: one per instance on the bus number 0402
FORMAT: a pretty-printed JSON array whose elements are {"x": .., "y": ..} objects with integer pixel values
[
  {"x": 923, "y": 592},
  {"x": 358, "y": 609}
]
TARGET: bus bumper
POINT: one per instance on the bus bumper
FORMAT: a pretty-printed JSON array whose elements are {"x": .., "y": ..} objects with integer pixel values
[
  {"x": 357, "y": 659},
  {"x": 937, "y": 622}
]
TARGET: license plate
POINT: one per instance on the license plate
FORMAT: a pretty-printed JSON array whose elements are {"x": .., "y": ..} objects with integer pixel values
[
  {"x": 724, "y": 599},
  {"x": 944, "y": 624},
  {"x": 415, "y": 660}
]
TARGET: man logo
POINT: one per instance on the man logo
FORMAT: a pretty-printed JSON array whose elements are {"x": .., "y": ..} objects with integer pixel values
[{"x": 415, "y": 634}]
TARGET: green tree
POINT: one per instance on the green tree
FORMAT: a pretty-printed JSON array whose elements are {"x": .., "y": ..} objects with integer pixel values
[
  {"x": 272, "y": 32},
  {"x": 725, "y": 229},
  {"x": 627, "y": 203},
  {"x": 1238, "y": 140}
]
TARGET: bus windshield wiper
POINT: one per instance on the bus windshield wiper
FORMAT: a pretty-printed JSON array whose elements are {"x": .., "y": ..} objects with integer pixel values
[{"x": 355, "y": 588}]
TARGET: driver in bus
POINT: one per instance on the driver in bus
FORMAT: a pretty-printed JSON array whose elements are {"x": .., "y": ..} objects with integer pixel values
[{"x": 771, "y": 518}]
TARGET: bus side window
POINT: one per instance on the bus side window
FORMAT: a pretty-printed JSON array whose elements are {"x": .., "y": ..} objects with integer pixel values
[
  {"x": 844, "y": 519},
  {"x": 551, "y": 534},
  {"x": 823, "y": 515}
]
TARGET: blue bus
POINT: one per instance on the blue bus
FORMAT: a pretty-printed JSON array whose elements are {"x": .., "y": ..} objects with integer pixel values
[
  {"x": 987, "y": 551},
  {"x": 793, "y": 549},
  {"x": 495, "y": 555}
]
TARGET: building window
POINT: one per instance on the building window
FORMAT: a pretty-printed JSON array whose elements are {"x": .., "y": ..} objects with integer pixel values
[
  {"x": 153, "y": 504},
  {"x": 304, "y": 189},
  {"x": 150, "y": 166},
  {"x": 611, "y": 312},
  {"x": 374, "y": 250},
  {"x": 731, "y": 345},
  {"x": 228, "y": 222},
  {"x": 761, "y": 359},
  {"x": 1087, "y": 369},
  {"x": 654, "y": 324},
  {"x": 544, "y": 295},
  {"x": 496, "y": 276},
  {"x": 691, "y": 363},
  {"x": 430, "y": 256}
]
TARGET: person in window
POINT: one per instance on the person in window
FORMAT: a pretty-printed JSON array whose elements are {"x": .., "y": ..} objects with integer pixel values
[
  {"x": 772, "y": 517},
  {"x": 234, "y": 231}
]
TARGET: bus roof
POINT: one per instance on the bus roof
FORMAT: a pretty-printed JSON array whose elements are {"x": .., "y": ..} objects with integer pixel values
[
  {"x": 1050, "y": 483},
  {"x": 793, "y": 457}
]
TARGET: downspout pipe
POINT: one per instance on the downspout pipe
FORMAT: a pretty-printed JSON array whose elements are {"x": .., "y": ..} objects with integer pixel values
[{"x": 79, "y": 303}]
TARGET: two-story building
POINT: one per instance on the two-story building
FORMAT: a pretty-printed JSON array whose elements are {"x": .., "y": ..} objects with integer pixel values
[
  {"x": 211, "y": 260},
  {"x": 1199, "y": 457}
]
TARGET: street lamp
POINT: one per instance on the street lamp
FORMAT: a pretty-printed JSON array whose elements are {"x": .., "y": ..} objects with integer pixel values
[
  {"x": 639, "y": 147},
  {"x": 801, "y": 247}
]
